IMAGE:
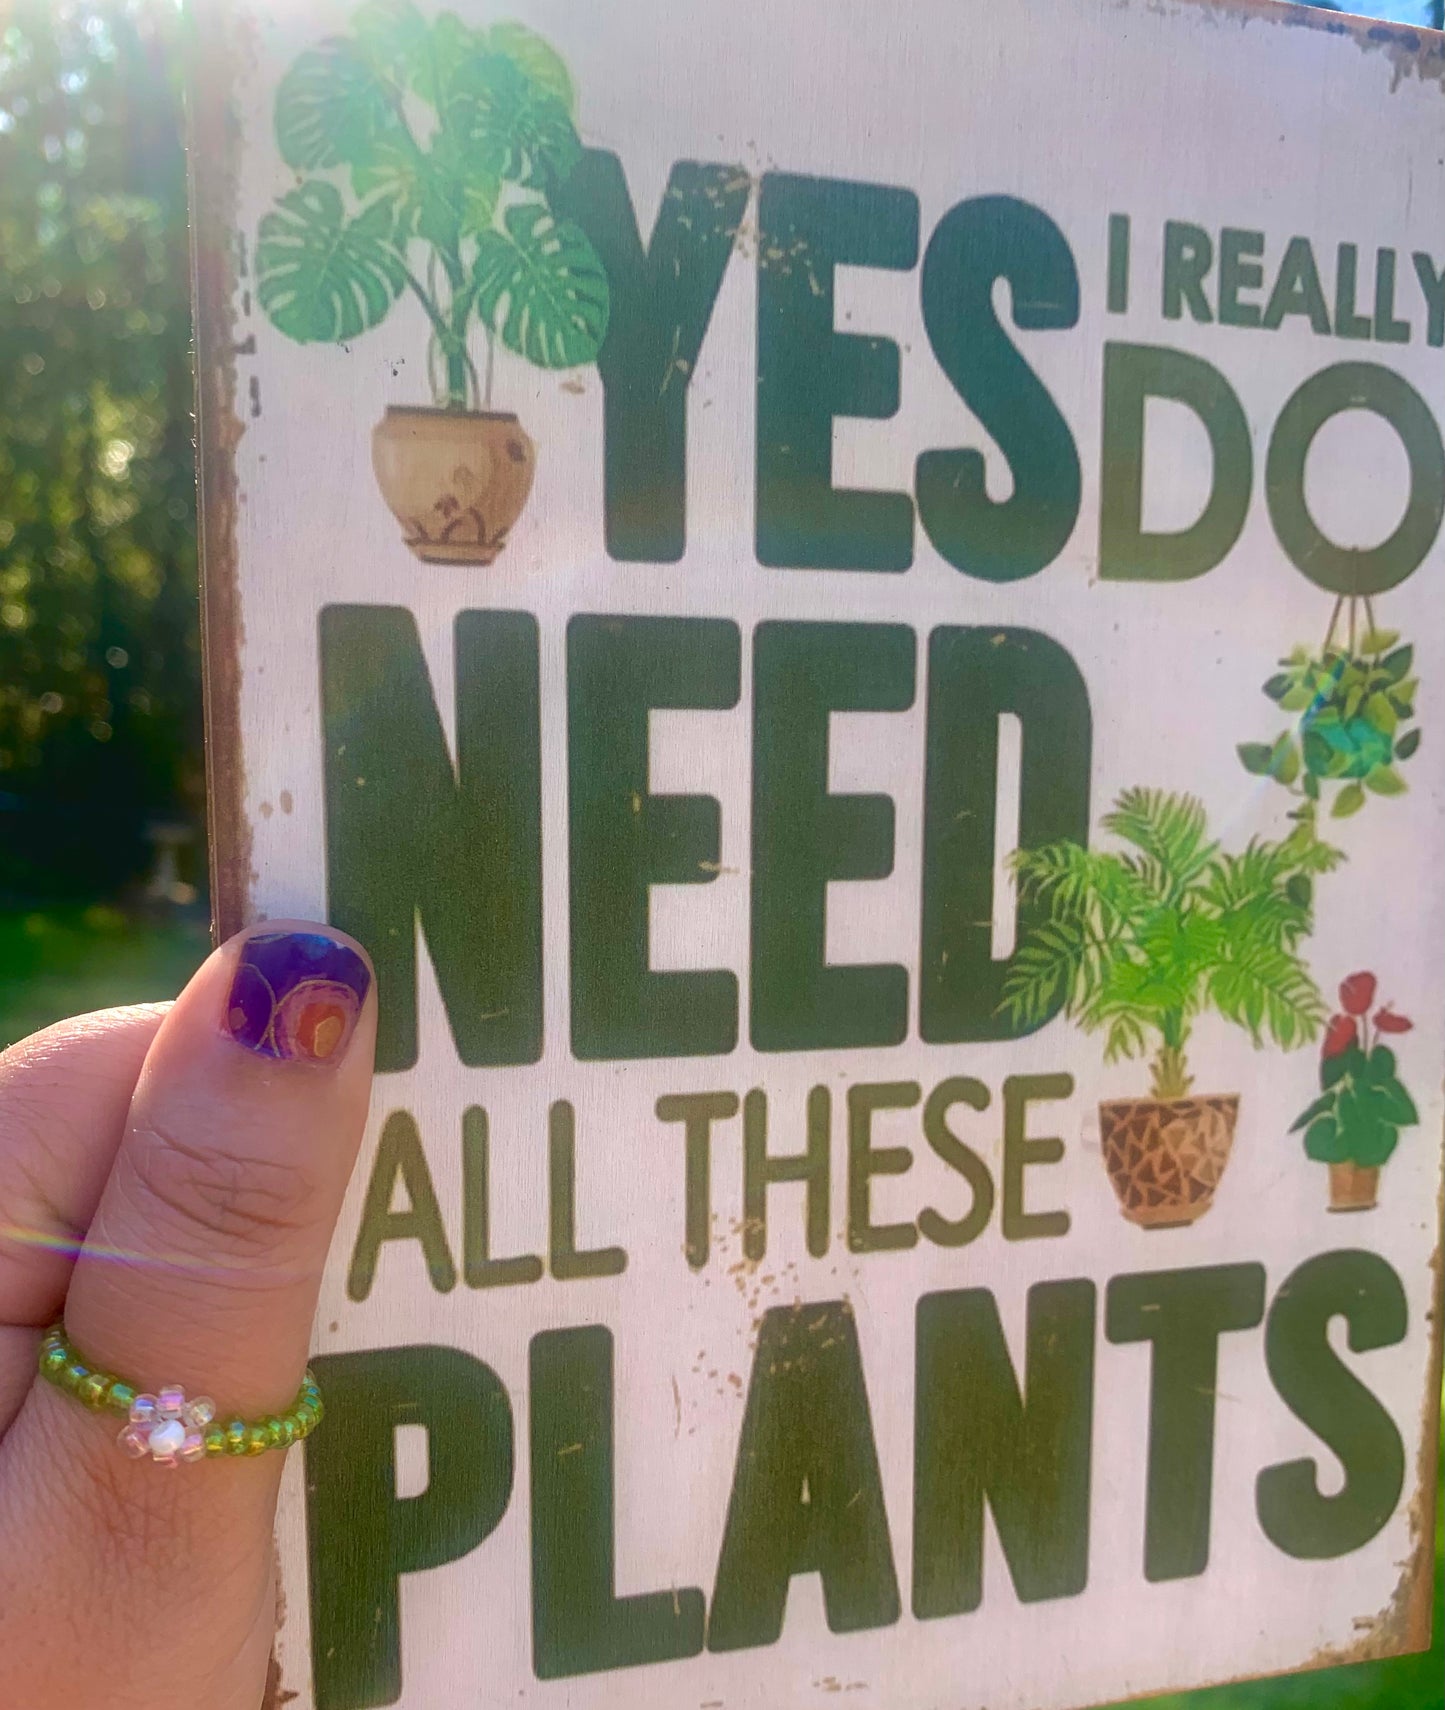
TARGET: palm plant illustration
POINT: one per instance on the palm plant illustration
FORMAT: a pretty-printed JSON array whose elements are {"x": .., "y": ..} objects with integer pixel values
[
  {"x": 1353, "y": 701},
  {"x": 433, "y": 150},
  {"x": 1139, "y": 943}
]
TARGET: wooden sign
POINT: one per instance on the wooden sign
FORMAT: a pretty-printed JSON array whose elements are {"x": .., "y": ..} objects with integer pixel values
[{"x": 848, "y": 600}]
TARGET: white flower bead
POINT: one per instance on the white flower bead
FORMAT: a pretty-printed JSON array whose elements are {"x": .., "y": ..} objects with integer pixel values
[{"x": 167, "y": 1439}]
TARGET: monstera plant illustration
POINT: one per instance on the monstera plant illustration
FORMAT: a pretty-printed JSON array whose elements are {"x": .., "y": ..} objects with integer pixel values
[
  {"x": 1140, "y": 942},
  {"x": 431, "y": 153}
]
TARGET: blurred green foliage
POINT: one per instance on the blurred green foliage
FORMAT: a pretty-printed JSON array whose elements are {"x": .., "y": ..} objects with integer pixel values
[
  {"x": 68, "y": 961},
  {"x": 99, "y": 703}
]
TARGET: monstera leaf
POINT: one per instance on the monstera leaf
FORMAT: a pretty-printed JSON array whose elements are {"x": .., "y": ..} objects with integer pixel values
[
  {"x": 333, "y": 109},
  {"x": 413, "y": 54},
  {"x": 396, "y": 41},
  {"x": 467, "y": 180},
  {"x": 541, "y": 287},
  {"x": 321, "y": 277},
  {"x": 533, "y": 57},
  {"x": 407, "y": 178},
  {"x": 436, "y": 194},
  {"x": 508, "y": 123}
]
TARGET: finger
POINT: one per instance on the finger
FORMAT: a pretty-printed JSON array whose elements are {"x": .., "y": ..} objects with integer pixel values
[
  {"x": 201, "y": 1269},
  {"x": 206, "y": 1250},
  {"x": 64, "y": 1096}
]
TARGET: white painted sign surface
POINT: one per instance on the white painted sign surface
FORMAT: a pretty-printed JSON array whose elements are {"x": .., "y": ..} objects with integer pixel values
[{"x": 690, "y": 493}]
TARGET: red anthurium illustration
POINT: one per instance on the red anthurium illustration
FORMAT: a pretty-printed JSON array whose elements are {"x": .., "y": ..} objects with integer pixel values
[
  {"x": 1354, "y": 1125},
  {"x": 1342, "y": 1032},
  {"x": 1388, "y": 1022}
]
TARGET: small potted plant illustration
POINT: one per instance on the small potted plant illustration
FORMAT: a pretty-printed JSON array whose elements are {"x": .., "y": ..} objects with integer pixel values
[
  {"x": 1354, "y": 1125},
  {"x": 432, "y": 152},
  {"x": 1353, "y": 701},
  {"x": 1138, "y": 944}
]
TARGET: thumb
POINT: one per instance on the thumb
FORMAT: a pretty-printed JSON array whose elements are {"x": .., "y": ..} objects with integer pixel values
[
  {"x": 201, "y": 1270},
  {"x": 204, "y": 1257}
]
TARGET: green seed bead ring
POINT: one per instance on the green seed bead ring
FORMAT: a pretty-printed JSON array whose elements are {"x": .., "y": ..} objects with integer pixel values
[{"x": 166, "y": 1427}]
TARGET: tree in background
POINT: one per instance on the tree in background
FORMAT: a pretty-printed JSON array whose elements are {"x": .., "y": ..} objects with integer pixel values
[{"x": 99, "y": 703}]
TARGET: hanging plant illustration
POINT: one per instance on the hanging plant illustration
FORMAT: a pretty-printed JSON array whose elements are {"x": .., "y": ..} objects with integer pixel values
[
  {"x": 1354, "y": 701},
  {"x": 1354, "y": 1125},
  {"x": 1138, "y": 944},
  {"x": 433, "y": 151}
]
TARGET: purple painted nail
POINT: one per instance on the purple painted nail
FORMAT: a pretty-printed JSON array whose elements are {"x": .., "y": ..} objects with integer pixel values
[{"x": 296, "y": 995}]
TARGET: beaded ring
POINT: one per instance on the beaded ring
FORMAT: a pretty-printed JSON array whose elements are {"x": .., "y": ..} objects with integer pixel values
[{"x": 166, "y": 1426}]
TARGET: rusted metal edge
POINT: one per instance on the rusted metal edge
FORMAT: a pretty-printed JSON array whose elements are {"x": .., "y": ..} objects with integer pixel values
[
  {"x": 1422, "y": 1614},
  {"x": 1404, "y": 1624},
  {"x": 214, "y": 64},
  {"x": 277, "y": 1695},
  {"x": 1412, "y": 49},
  {"x": 212, "y": 152}
]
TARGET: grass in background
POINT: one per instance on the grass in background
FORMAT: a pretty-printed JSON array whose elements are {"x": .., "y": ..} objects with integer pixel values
[
  {"x": 54, "y": 965},
  {"x": 64, "y": 963}
]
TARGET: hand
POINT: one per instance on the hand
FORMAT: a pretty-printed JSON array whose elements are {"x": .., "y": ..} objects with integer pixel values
[{"x": 170, "y": 1176}]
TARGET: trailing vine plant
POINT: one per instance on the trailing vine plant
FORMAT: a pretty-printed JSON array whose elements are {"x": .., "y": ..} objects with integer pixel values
[{"x": 1354, "y": 706}]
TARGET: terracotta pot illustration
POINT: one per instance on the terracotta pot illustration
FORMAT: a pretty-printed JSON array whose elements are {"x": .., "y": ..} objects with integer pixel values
[
  {"x": 1165, "y": 1156},
  {"x": 1353, "y": 1187},
  {"x": 455, "y": 480}
]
